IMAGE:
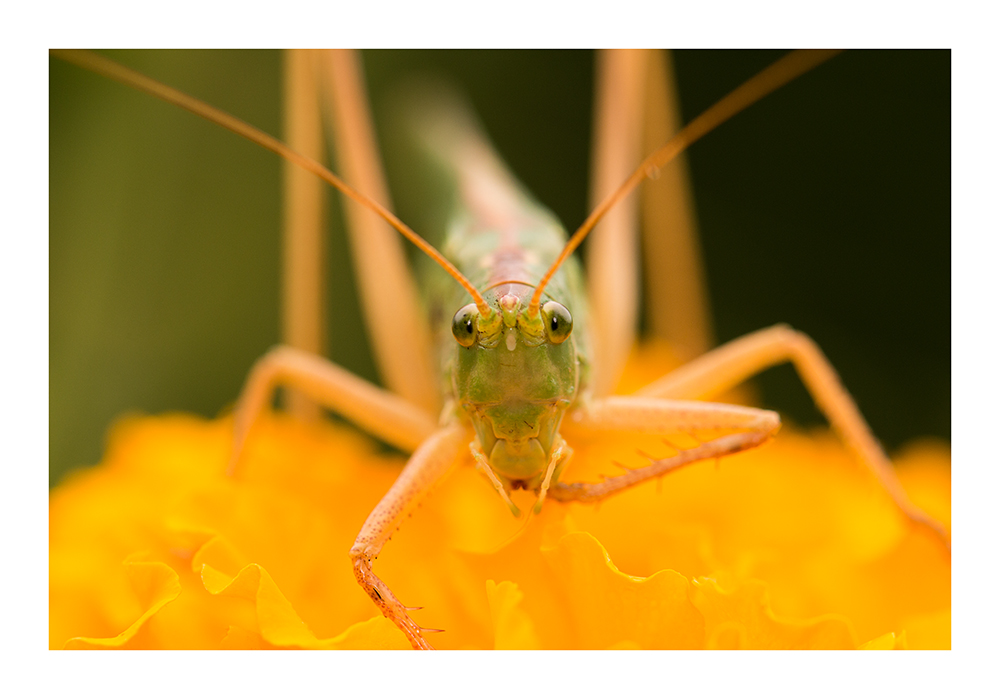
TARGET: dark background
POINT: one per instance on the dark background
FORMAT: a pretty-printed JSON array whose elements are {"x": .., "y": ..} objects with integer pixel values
[{"x": 826, "y": 206}]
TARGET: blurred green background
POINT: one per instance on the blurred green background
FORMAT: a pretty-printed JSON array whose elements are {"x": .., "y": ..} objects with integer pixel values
[{"x": 826, "y": 206}]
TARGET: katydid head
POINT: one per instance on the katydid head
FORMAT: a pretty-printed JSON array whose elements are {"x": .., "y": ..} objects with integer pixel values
[{"x": 514, "y": 375}]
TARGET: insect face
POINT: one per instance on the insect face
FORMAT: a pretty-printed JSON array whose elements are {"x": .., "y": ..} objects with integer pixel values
[{"x": 514, "y": 380}]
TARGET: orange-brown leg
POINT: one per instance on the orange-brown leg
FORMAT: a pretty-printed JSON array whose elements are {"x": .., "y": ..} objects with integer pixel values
[
  {"x": 744, "y": 427},
  {"x": 375, "y": 410},
  {"x": 304, "y": 213},
  {"x": 427, "y": 465},
  {"x": 612, "y": 256},
  {"x": 736, "y": 361},
  {"x": 386, "y": 285},
  {"x": 677, "y": 307}
]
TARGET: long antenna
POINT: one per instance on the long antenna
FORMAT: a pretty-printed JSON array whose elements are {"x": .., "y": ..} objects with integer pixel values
[
  {"x": 767, "y": 81},
  {"x": 109, "y": 69}
]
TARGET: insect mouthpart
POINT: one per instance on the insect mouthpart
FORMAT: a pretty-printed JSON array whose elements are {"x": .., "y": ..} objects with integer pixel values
[{"x": 517, "y": 437}]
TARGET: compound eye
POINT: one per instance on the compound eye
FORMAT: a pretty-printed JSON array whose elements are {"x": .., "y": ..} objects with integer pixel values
[
  {"x": 558, "y": 322},
  {"x": 463, "y": 325}
]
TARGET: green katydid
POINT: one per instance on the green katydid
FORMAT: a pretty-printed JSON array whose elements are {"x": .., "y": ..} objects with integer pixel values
[{"x": 509, "y": 321}]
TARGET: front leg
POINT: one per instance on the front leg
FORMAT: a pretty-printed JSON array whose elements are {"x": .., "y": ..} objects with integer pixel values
[
  {"x": 745, "y": 428},
  {"x": 427, "y": 465}
]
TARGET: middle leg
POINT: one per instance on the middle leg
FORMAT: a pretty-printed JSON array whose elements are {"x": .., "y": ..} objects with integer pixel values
[
  {"x": 383, "y": 414},
  {"x": 729, "y": 365}
]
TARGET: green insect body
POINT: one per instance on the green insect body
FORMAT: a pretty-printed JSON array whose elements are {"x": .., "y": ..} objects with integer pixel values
[{"x": 512, "y": 373}]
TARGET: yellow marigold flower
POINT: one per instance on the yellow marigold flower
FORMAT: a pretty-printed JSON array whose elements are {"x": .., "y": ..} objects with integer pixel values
[{"x": 788, "y": 546}]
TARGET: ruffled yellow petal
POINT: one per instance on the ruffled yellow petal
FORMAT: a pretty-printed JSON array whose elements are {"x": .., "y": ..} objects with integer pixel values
[
  {"x": 512, "y": 628},
  {"x": 889, "y": 641},
  {"x": 162, "y": 490},
  {"x": 155, "y": 584},
  {"x": 789, "y": 545},
  {"x": 743, "y": 619},
  {"x": 608, "y": 607},
  {"x": 278, "y": 625}
]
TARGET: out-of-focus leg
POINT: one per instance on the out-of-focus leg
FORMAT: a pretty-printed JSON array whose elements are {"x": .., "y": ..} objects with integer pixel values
[
  {"x": 737, "y": 361},
  {"x": 387, "y": 289},
  {"x": 677, "y": 307},
  {"x": 613, "y": 248}
]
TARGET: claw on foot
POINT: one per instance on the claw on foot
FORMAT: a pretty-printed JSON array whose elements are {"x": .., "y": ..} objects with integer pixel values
[{"x": 387, "y": 603}]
